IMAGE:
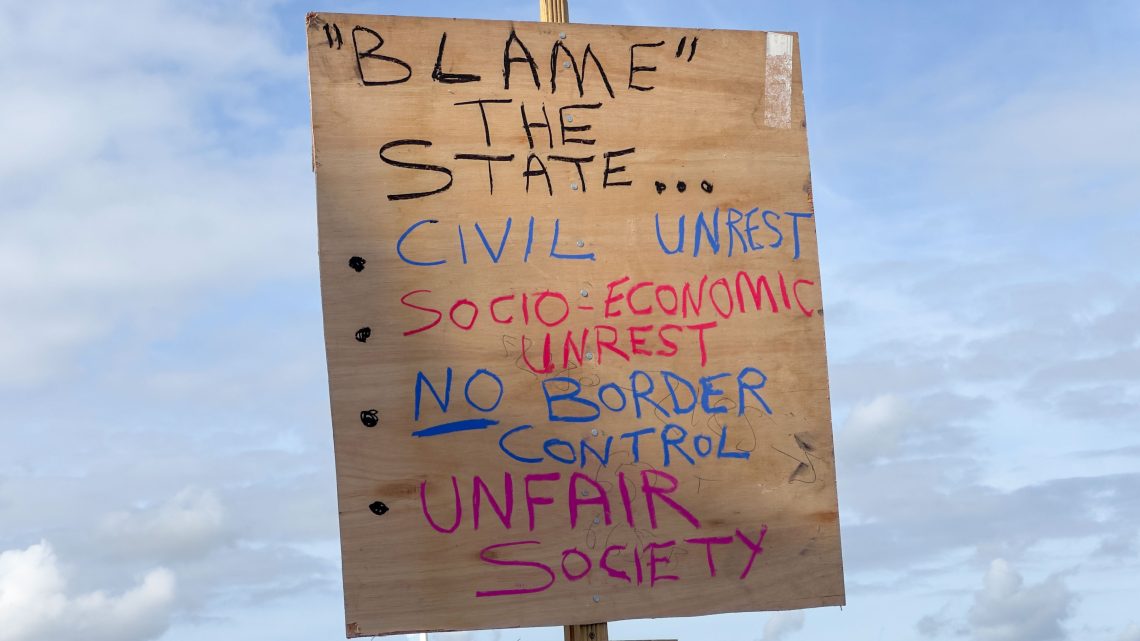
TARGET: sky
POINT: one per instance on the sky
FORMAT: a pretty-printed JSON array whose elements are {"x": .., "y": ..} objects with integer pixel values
[{"x": 166, "y": 468}]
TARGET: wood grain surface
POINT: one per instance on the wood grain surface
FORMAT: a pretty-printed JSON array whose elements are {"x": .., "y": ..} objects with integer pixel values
[{"x": 574, "y": 323}]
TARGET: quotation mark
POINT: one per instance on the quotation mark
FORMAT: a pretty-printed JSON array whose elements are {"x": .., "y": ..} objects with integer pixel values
[
  {"x": 329, "y": 34},
  {"x": 706, "y": 186},
  {"x": 378, "y": 508},
  {"x": 680, "y": 48},
  {"x": 357, "y": 263},
  {"x": 370, "y": 418}
]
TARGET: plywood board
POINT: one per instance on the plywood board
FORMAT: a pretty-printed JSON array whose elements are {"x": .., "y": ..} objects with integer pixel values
[{"x": 574, "y": 323}]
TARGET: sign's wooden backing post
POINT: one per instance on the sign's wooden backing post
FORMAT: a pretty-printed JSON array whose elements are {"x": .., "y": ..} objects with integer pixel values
[
  {"x": 587, "y": 632},
  {"x": 559, "y": 11},
  {"x": 553, "y": 11}
]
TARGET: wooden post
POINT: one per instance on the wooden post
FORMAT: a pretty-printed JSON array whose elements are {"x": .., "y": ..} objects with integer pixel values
[
  {"x": 587, "y": 632},
  {"x": 559, "y": 11},
  {"x": 553, "y": 11}
]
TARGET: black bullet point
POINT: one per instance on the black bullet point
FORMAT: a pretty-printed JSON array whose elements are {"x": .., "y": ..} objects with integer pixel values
[
  {"x": 378, "y": 508},
  {"x": 660, "y": 186},
  {"x": 681, "y": 186},
  {"x": 363, "y": 334},
  {"x": 370, "y": 418},
  {"x": 357, "y": 263},
  {"x": 706, "y": 186}
]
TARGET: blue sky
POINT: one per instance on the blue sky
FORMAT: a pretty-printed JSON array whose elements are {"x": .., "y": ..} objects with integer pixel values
[{"x": 165, "y": 453}]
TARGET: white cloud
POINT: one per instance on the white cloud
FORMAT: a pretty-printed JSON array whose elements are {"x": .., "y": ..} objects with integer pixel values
[
  {"x": 874, "y": 428},
  {"x": 1131, "y": 633},
  {"x": 1008, "y": 610},
  {"x": 781, "y": 625},
  {"x": 30, "y": 592},
  {"x": 1014, "y": 152},
  {"x": 189, "y": 524},
  {"x": 126, "y": 189},
  {"x": 935, "y": 625},
  {"x": 35, "y": 604}
]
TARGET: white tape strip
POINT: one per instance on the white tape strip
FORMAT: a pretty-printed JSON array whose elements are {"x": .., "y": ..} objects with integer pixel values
[{"x": 778, "y": 81}]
